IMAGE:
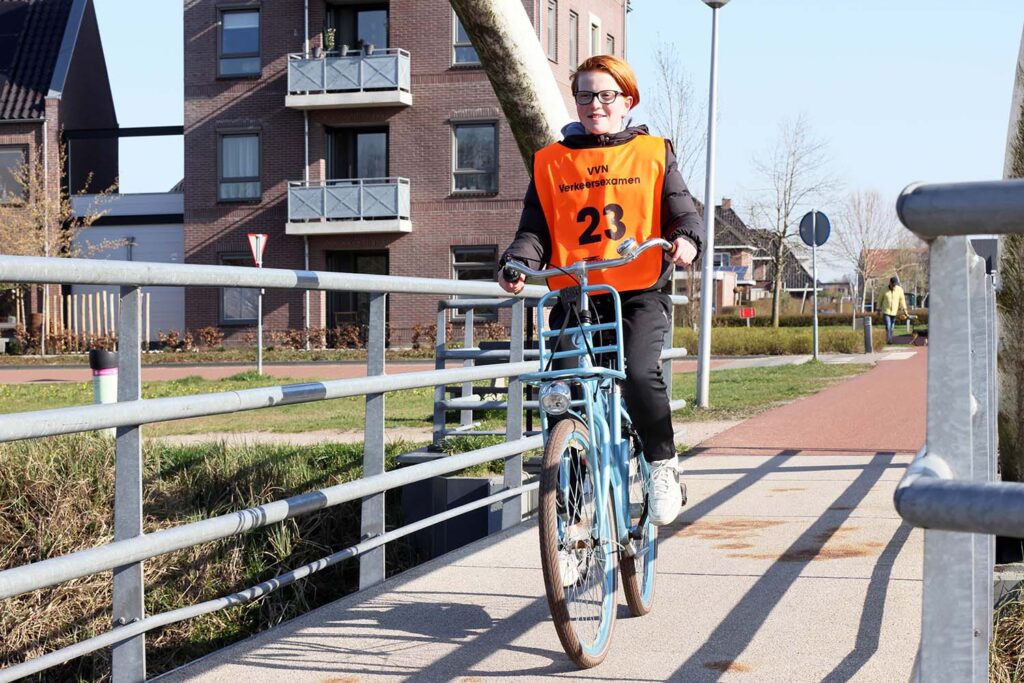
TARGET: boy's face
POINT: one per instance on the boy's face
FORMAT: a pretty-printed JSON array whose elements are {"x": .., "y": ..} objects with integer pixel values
[{"x": 596, "y": 117}]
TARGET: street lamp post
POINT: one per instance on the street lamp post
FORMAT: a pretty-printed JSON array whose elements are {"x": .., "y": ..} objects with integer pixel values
[{"x": 708, "y": 265}]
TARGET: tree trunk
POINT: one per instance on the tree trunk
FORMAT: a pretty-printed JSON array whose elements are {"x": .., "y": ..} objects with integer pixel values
[
  {"x": 518, "y": 69},
  {"x": 1011, "y": 306}
]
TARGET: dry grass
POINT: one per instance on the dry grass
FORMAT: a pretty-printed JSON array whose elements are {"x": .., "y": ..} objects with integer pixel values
[
  {"x": 1006, "y": 652},
  {"x": 56, "y": 497}
]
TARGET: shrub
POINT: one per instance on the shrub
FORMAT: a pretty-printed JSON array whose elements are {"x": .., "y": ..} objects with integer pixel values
[
  {"x": 348, "y": 336},
  {"x": 211, "y": 337},
  {"x": 317, "y": 337},
  {"x": 785, "y": 341}
]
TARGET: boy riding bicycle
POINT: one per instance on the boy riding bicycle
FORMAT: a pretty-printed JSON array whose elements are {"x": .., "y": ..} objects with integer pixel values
[{"x": 602, "y": 184}]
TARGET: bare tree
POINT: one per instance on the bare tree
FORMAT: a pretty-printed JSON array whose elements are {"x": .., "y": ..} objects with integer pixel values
[
  {"x": 795, "y": 172},
  {"x": 40, "y": 221},
  {"x": 866, "y": 228},
  {"x": 676, "y": 114}
]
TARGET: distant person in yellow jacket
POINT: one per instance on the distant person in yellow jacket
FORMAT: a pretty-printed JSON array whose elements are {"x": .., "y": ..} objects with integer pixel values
[{"x": 894, "y": 302}]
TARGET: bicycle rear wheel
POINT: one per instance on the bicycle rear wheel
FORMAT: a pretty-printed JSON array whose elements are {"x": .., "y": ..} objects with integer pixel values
[
  {"x": 576, "y": 550},
  {"x": 638, "y": 569}
]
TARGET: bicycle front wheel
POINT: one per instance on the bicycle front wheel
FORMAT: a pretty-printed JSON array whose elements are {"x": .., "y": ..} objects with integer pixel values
[
  {"x": 638, "y": 569},
  {"x": 576, "y": 549}
]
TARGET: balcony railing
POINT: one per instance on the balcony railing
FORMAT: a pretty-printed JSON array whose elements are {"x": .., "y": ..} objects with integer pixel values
[
  {"x": 356, "y": 205},
  {"x": 350, "y": 79}
]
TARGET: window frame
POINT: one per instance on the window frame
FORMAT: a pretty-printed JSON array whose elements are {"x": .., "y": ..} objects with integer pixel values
[
  {"x": 223, "y": 9},
  {"x": 456, "y": 44},
  {"x": 222, "y": 259},
  {"x": 721, "y": 259},
  {"x": 241, "y": 132},
  {"x": 17, "y": 200},
  {"x": 551, "y": 30},
  {"x": 609, "y": 44},
  {"x": 595, "y": 32},
  {"x": 574, "y": 39},
  {"x": 488, "y": 314},
  {"x": 455, "y": 171}
]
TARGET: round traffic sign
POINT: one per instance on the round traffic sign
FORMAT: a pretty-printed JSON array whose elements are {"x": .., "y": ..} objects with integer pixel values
[{"x": 815, "y": 232}]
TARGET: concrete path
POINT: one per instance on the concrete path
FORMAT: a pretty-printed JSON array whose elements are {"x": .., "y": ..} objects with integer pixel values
[{"x": 788, "y": 564}]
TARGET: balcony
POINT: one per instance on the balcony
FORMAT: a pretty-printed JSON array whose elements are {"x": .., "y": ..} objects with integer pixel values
[
  {"x": 354, "y": 206},
  {"x": 349, "y": 80}
]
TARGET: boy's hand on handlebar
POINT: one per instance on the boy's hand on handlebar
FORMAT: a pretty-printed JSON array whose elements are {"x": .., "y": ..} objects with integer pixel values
[
  {"x": 513, "y": 287},
  {"x": 683, "y": 251}
]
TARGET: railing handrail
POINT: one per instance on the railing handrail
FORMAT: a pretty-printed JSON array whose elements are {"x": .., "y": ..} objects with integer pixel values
[
  {"x": 323, "y": 182},
  {"x": 932, "y": 210},
  {"x": 54, "y": 421},
  {"x": 40, "y": 270},
  {"x": 353, "y": 53}
]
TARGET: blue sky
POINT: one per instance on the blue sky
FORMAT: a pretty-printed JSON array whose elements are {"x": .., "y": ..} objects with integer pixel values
[{"x": 901, "y": 91}]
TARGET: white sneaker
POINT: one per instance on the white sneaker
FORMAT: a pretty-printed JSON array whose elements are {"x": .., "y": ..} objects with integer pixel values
[{"x": 665, "y": 497}]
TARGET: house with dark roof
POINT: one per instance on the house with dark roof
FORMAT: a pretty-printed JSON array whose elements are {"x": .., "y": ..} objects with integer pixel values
[
  {"x": 53, "y": 78},
  {"x": 744, "y": 253}
]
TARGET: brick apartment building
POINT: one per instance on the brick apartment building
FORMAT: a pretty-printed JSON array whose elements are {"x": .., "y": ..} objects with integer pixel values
[
  {"x": 53, "y": 80},
  {"x": 384, "y": 152}
]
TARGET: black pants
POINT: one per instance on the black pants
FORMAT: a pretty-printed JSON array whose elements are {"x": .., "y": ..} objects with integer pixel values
[{"x": 645, "y": 320}]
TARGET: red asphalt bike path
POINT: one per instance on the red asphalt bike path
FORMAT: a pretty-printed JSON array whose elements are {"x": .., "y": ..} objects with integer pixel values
[{"x": 880, "y": 411}]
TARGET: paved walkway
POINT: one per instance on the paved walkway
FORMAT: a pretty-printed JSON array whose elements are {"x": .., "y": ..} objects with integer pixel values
[{"x": 788, "y": 564}]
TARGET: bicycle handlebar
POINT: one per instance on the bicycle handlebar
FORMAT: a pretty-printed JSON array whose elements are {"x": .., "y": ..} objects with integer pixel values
[{"x": 628, "y": 249}]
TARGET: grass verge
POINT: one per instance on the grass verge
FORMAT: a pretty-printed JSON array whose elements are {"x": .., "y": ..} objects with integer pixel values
[
  {"x": 760, "y": 341},
  {"x": 57, "y": 497},
  {"x": 744, "y": 392}
]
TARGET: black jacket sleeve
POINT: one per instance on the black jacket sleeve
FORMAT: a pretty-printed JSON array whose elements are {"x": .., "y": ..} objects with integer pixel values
[
  {"x": 532, "y": 243},
  {"x": 679, "y": 217}
]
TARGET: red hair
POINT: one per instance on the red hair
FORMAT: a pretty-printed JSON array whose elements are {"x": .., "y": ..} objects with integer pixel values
[{"x": 616, "y": 68}]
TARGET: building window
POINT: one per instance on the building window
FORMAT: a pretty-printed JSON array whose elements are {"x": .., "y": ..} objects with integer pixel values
[
  {"x": 475, "y": 167},
  {"x": 237, "y": 304},
  {"x": 12, "y": 174},
  {"x": 721, "y": 259},
  {"x": 239, "y": 162},
  {"x": 464, "y": 52},
  {"x": 475, "y": 263},
  {"x": 552, "y": 30},
  {"x": 595, "y": 39},
  {"x": 239, "y": 40},
  {"x": 609, "y": 44},
  {"x": 574, "y": 40}
]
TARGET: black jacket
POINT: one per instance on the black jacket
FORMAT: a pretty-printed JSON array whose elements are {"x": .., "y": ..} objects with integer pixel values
[{"x": 679, "y": 218}]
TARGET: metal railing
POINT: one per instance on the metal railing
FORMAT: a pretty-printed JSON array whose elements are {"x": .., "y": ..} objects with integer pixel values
[
  {"x": 470, "y": 398},
  {"x": 951, "y": 486},
  {"x": 350, "y": 199},
  {"x": 131, "y": 546},
  {"x": 349, "y": 71}
]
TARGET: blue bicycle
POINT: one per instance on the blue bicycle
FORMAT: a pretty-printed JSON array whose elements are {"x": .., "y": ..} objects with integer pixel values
[{"x": 594, "y": 478}]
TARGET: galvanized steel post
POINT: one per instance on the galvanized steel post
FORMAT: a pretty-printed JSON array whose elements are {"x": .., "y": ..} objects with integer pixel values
[
  {"x": 466, "y": 416},
  {"x": 440, "y": 391},
  {"x": 512, "y": 510},
  {"x": 371, "y": 564},
  {"x": 947, "y": 633},
  {"x": 129, "y": 657}
]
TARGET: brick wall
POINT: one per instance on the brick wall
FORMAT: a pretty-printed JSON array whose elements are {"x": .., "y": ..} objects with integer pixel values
[{"x": 420, "y": 149}]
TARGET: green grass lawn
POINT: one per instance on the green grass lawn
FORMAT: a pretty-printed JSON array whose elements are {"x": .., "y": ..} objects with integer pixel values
[{"x": 743, "y": 392}]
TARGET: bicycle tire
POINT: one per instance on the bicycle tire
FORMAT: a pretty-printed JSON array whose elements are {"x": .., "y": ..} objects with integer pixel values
[
  {"x": 638, "y": 571},
  {"x": 584, "y": 613}
]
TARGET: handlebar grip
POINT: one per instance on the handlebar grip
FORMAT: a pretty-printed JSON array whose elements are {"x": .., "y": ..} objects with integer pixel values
[{"x": 510, "y": 273}]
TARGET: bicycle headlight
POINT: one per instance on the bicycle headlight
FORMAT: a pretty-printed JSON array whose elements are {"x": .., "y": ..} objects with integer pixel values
[{"x": 555, "y": 398}]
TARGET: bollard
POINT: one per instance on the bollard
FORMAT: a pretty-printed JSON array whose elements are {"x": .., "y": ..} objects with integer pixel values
[
  {"x": 104, "y": 379},
  {"x": 868, "y": 344}
]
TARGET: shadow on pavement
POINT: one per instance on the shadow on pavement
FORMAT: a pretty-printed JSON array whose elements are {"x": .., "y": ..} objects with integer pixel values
[{"x": 732, "y": 636}]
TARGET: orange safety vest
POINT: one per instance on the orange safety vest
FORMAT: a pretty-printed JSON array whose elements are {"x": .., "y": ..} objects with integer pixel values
[{"x": 594, "y": 198}]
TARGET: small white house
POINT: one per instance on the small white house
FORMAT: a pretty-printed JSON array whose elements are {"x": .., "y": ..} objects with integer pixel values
[{"x": 137, "y": 227}]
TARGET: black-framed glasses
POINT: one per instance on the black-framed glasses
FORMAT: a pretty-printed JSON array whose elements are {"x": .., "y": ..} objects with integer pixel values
[{"x": 604, "y": 96}]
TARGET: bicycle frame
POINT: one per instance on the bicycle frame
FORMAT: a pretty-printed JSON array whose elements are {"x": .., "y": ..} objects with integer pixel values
[{"x": 602, "y": 409}]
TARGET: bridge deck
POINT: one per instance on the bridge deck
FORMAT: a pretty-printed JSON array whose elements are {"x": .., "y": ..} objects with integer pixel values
[{"x": 783, "y": 568}]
